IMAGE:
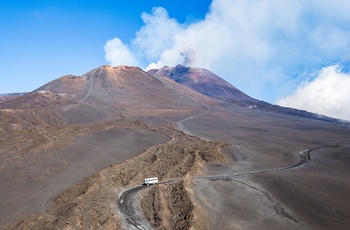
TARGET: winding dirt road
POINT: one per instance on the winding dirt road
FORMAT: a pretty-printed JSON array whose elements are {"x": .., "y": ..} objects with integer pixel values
[
  {"x": 183, "y": 129},
  {"x": 135, "y": 220},
  {"x": 126, "y": 206}
]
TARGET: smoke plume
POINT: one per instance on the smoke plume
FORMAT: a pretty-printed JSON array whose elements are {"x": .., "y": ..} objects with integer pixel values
[{"x": 189, "y": 56}]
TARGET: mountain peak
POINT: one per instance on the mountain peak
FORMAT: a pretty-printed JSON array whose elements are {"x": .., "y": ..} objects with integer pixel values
[
  {"x": 107, "y": 72},
  {"x": 203, "y": 81}
]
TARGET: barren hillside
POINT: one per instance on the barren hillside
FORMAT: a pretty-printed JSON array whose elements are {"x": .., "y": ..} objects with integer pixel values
[{"x": 74, "y": 153}]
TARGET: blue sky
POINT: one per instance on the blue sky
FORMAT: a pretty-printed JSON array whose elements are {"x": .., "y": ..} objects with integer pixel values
[
  {"x": 44, "y": 39},
  {"x": 293, "y": 53}
]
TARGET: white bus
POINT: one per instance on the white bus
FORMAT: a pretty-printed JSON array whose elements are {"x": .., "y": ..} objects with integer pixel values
[{"x": 152, "y": 180}]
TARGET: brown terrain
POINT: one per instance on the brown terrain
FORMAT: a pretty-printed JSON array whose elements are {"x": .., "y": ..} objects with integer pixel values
[
  {"x": 203, "y": 81},
  {"x": 74, "y": 153}
]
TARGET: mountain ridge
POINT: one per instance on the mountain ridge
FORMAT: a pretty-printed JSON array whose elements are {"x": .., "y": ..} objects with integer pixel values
[
  {"x": 203, "y": 81},
  {"x": 224, "y": 91},
  {"x": 108, "y": 92},
  {"x": 123, "y": 88}
]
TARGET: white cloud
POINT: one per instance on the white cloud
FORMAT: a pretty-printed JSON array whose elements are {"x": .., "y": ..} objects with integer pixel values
[
  {"x": 326, "y": 94},
  {"x": 158, "y": 33},
  {"x": 262, "y": 47},
  {"x": 118, "y": 54}
]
